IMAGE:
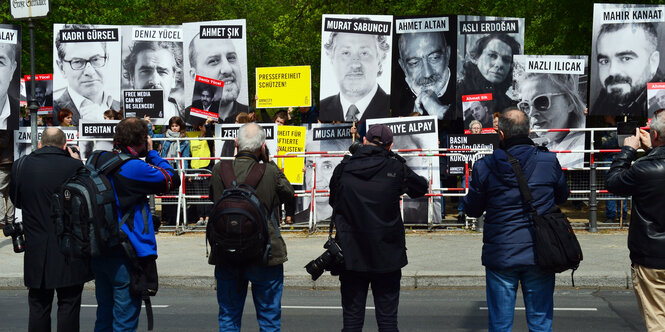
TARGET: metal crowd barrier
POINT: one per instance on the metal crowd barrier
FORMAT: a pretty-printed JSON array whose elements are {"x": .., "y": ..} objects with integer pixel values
[{"x": 587, "y": 187}]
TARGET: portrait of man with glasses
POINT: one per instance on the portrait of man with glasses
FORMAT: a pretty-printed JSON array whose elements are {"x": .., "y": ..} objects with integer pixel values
[
  {"x": 553, "y": 101},
  {"x": 84, "y": 65}
]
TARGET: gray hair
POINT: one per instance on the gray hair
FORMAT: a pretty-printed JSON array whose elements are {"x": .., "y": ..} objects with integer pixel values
[
  {"x": 658, "y": 125},
  {"x": 475, "y": 122},
  {"x": 514, "y": 123},
  {"x": 251, "y": 137}
]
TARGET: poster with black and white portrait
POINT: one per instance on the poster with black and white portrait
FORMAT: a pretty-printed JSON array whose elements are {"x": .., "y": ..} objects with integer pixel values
[
  {"x": 10, "y": 76},
  {"x": 328, "y": 138},
  {"x": 424, "y": 66},
  {"x": 152, "y": 59},
  {"x": 625, "y": 56},
  {"x": 86, "y": 70},
  {"x": 95, "y": 136},
  {"x": 217, "y": 50},
  {"x": 229, "y": 131},
  {"x": 207, "y": 95},
  {"x": 656, "y": 95},
  {"x": 43, "y": 92},
  {"x": 485, "y": 49},
  {"x": 551, "y": 90},
  {"x": 355, "y": 56},
  {"x": 417, "y": 132}
]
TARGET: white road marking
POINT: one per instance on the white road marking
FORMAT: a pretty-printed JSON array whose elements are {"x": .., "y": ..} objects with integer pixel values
[
  {"x": 555, "y": 309},
  {"x": 317, "y": 307},
  {"x": 142, "y": 306}
]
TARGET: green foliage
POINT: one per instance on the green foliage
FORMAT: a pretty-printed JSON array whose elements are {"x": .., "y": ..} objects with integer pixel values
[{"x": 288, "y": 32}]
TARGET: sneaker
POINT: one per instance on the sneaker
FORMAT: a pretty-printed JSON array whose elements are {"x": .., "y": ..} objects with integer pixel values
[
  {"x": 201, "y": 222},
  {"x": 461, "y": 218}
]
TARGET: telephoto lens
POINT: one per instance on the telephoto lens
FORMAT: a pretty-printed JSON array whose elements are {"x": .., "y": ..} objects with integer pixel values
[
  {"x": 317, "y": 266},
  {"x": 15, "y": 230}
]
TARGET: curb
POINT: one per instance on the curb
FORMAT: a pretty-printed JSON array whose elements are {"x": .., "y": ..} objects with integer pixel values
[{"x": 329, "y": 282}]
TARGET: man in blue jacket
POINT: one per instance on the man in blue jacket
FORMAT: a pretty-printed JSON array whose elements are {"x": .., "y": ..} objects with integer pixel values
[
  {"x": 508, "y": 251},
  {"x": 117, "y": 309}
]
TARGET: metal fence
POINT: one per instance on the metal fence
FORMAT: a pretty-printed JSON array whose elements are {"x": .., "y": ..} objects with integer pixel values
[{"x": 586, "y": 184}]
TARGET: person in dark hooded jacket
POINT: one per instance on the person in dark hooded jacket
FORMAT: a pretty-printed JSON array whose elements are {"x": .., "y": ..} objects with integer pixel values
[
  {"x": 365, "y": 190},
  {"x": 508, "y": 249}
]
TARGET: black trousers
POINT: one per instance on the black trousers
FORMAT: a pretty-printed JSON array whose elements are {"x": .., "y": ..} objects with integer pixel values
[
  {"x": 385, "y": 289},
  {"x": 69, "y": 307}
]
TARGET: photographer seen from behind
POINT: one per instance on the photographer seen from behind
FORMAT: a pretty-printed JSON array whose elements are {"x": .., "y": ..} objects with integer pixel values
[
  {"x": 365, "y": 191},
  {"x": 46, "y": 269},
  {"x": 644, "y": 180},
  {"x": 251, "y": 165}
]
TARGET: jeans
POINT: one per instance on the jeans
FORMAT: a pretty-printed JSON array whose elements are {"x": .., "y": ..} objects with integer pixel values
[
  {"x": 385, "y": 289},
  {"x": 267, "y": 286},
  {"x": 537, "y": 291},
  {"x": 69, "y": 307},
  {"x": 117, "y": 309},
  {"x": 611, "y": 209}
]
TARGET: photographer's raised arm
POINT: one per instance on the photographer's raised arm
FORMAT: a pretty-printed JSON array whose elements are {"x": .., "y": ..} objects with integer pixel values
[{"x": 413, "y": 184}]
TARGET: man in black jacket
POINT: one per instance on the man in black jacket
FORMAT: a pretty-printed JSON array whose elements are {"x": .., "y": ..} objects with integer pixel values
[
  {"x": 33, "y": 182},
  {"x": 645, "y": 181},
  {"x": 365, "y": 190}
]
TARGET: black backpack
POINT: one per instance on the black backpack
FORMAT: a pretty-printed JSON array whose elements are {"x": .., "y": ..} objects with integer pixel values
[
  {"x": 84, "y": 209},
  {"x": 238, "y": 226}
]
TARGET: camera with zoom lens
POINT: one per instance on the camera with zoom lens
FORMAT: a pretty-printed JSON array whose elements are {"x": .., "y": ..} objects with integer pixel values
[
  {"x": 15, "y": 230},
  {"x": 332, "y": 260}
]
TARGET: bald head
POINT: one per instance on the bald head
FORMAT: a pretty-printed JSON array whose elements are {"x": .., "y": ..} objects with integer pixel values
[
  {"x": 513, "y": 123},
  {"x": 53, "y": 137},
  {"x": 250, "y": 137}
]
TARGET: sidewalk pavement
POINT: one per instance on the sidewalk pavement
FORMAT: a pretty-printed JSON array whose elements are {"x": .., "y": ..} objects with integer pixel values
[{"x": 439, "y": 259}]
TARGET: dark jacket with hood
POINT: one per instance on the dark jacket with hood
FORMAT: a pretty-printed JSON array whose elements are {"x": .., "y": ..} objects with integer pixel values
[
  {"x": 644, "y": 180},
  {"x": 508, "y": 230},
  {"x": 364, "y": 192}
]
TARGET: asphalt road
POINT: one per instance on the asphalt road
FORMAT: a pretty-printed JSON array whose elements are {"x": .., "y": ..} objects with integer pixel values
[{"x": 317, "y": 310}]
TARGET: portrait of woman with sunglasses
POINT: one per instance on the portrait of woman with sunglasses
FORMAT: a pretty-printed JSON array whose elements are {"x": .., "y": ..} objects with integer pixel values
[{"x": 553, "y": 101}]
